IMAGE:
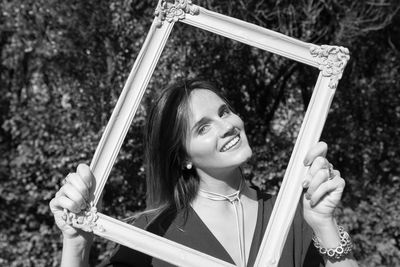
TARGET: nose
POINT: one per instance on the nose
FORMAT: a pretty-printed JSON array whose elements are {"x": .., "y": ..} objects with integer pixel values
[{"x": 227, "y": 129}]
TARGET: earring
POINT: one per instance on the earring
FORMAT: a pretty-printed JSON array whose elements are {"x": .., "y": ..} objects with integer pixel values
[{"x": 189, "y": 165}]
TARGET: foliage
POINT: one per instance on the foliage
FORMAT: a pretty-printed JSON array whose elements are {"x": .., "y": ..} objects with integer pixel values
[{"x": 64, "y": 64}]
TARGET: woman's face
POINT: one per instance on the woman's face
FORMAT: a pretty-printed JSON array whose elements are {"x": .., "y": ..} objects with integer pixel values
[{"x": 216, "y": 140}]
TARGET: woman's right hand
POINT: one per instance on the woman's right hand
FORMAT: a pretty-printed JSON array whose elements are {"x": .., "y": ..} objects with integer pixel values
[{"x": 73, "y": 196}]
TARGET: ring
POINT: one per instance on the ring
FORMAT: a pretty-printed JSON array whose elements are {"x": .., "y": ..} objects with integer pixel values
[{"x": 330, "y": 171}]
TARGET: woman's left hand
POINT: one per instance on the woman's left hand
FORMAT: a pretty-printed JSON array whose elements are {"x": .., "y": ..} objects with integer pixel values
[{"x": 323, "y": 187}]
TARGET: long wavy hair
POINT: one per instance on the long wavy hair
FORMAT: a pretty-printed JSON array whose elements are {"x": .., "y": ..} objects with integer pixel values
[{"x": 169, "y": 183}]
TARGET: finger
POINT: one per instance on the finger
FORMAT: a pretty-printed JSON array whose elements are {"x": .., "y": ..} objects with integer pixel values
[
  {"x": 318, "y": 179},
  {"x": 62, "y": 202},
  {"x": 69, "y": 191},
  {"x": 320, "y": 149},
  {"x": 76, "y": 181},
  {"x": 54, "y": 205},
  {"x": 337, "y": 185},
  {"x": 318, "y": 164},
  {"x": 87, "y": 176},
  {"x": 57, "y": 209}
]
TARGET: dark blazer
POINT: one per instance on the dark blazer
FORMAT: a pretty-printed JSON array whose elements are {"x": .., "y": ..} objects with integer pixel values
[{"x": 188, "y": 229}]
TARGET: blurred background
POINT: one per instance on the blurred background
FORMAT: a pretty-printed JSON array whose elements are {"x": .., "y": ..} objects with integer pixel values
[{"x": 64, "y": 63}]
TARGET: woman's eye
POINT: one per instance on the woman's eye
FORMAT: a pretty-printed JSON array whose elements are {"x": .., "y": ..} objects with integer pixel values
[
  {"x": 203, "y": 129},
  {"x": 225, "y": 111}
]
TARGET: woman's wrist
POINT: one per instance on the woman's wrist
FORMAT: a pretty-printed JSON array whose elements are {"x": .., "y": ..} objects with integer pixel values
[
  {"x": 338, "y": 253},
  {"x": 78, "y": 241},
  {"x": 76, "y": 251},
  {"x": 327, "y": 232},
  {"x": 332, "y": 241}
]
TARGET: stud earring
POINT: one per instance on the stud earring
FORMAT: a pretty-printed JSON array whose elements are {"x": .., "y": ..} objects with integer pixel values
[{"x": 189, "y": 165}]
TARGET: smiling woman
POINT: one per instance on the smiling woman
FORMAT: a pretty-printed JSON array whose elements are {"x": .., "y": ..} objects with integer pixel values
[
  {"x": 198, "y": 197},
  {"x": 178, "y": 135},
  {"x": 217, "y": 142}
]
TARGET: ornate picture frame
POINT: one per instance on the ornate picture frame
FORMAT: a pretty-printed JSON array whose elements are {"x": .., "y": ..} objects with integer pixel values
[{"x": 330, "y": 60}]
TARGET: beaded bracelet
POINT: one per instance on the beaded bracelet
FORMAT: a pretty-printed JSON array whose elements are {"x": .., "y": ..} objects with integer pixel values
[{"x": 341, "y": 251}]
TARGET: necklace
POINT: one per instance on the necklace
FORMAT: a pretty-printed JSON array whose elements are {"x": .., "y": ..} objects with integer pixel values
[{"x": 233, "y": 199}]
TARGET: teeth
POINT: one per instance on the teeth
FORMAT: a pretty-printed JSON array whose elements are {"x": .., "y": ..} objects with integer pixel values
[{"x": 231, "y": 143}]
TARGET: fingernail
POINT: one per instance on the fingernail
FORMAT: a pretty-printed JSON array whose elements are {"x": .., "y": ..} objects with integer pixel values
[
  {"x": 305, "y": 184},
  {"x": 83, "y": 206},
  {"x": 312, "y": 203},
  {"x": 305, "y": 162},
  {"x": 308, "y": 196}
]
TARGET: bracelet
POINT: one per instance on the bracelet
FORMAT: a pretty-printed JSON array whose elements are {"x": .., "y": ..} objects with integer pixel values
[{"x": 341, "y": 251}]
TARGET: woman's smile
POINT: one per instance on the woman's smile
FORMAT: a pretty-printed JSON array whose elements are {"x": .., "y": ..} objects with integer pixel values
[
  {"x": 231, "y": 144},
  {"x": 217, "y": 140}
]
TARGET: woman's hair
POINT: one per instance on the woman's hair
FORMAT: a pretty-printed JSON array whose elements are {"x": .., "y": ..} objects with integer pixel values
[{"x": 169, "y": 183}]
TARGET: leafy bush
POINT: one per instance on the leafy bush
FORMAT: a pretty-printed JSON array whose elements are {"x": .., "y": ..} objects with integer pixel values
[{"x": 64, "y": 64}]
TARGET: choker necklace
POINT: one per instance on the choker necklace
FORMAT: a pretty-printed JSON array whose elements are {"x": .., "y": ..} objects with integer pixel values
[{"x": 233, "y": 199}]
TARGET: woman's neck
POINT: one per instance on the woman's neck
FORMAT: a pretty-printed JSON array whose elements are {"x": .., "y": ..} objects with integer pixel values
[{"x": 223, "y": 183}]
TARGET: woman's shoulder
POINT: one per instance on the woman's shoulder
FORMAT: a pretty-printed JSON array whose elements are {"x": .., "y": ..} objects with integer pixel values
[
  {"x": 298, "y": 246},
  {"x": 125, "y": 256},
  {"x": 140, "y": 219},
  {"x": 151, "y": 220},
  {"x": 156, "y": 221}
]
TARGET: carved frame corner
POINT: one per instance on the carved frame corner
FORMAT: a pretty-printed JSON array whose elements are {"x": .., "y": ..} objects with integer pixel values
[
  {"x": 173, "y": 12},
  {"x": 331, "y": 61},
  {"x": 85, "y": 220}
]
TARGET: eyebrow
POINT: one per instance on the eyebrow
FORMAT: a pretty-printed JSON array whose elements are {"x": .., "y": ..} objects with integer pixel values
[{"x": 206, "y": 119}]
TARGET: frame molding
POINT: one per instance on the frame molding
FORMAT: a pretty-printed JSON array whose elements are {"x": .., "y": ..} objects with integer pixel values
[{"x": 330, "y": 60}]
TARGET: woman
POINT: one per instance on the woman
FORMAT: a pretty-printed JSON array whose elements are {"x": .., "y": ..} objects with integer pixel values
[{"x": 197, "y": 196}]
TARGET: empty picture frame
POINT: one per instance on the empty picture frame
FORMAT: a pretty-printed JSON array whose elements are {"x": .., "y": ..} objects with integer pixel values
[{"x": 330, "y": 60}]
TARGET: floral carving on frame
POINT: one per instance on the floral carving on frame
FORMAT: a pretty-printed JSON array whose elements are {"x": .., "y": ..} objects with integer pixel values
[
  {"x": 86, "y": 220},
  {"x": 331, "y": 61},
  {"x": 176, "y": 11}
]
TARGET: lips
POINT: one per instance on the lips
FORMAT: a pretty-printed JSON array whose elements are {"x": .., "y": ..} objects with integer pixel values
[{"x": 231, "y": 143}]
